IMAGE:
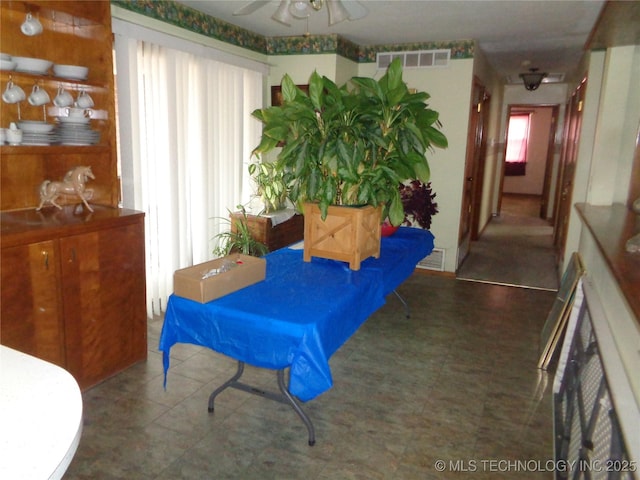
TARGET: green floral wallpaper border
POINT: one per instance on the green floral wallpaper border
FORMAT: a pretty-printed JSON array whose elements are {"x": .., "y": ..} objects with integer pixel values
[{"x": 182, "y": 16}]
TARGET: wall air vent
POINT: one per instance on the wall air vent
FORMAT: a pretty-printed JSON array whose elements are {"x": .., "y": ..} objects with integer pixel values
[
  {"x": 415, "y": 59},
  {"x": 433, "y": 261}
]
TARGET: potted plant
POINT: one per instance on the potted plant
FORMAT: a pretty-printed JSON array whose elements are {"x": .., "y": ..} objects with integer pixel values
[
  {"x": 271, "y": 187},
  {"x": 239, "y": 238},
  {"x": 351, "y": 145},
  {"x": 418, "y": 203}
]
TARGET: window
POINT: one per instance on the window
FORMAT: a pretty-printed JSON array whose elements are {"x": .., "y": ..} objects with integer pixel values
[
  {"x": 517, "y": 143},
  {"x": 186, "y": 134}
]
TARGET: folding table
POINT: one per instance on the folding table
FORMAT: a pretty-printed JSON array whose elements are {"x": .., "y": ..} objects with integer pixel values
[{"x": 296, "y": 318}]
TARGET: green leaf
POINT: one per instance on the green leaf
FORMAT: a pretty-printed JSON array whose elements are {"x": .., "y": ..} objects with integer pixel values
[
  {"x": 422, "y": 171},
  {"x": 396, "y": 211},
  {"x": 436, "y": 137},
  {"x": 316, "y": 86},
  {"x": 289, "y": 89},
  {"x": 394, "y": 75}
]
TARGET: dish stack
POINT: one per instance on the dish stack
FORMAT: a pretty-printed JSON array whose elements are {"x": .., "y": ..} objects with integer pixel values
[
  {"x": 76, "y": 131},
  {"x": 37, "y": 133}
]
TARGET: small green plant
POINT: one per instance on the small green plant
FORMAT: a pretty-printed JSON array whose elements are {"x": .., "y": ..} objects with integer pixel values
[
  {"x": 239, "y": 240},
  {"x": 271, "y": 185}
]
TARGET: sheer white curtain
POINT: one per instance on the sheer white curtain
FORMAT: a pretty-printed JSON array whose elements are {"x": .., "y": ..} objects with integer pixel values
[{"x": 186, "y": 133}]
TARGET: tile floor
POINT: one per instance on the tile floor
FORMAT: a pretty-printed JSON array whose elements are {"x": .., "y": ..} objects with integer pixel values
[{"x": 456, "y": 382}]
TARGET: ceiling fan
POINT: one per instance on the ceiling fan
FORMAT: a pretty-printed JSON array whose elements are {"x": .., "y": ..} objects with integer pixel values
[{"x": 290, "y": 10}]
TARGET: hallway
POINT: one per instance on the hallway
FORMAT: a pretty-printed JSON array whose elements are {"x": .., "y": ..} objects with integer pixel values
[{"x": 515, "y": 248}]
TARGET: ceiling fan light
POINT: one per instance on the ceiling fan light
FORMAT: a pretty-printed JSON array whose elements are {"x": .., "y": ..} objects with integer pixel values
[
  {"x": 282, "y": 14},
  {"x": 300, "y": 9},
  {"x": 337, "y": 12},
  {"x": 532, "y": 79}
]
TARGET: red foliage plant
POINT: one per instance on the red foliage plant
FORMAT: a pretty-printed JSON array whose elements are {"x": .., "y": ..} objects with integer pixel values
[{"x": 417, "y": 200}]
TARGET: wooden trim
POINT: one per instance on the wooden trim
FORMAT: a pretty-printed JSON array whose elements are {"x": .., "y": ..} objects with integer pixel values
[{"x": 276, "y": 94}]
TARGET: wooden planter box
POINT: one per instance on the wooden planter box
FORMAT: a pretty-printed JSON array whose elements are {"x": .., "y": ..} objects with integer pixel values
[
  {"x": 349, "y": 234},
  {"x": 274, "y": 237}
]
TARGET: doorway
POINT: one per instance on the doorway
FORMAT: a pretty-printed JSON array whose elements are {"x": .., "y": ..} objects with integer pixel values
[
  {"x": 530, "y": 168},
  {"x": 516, "y": 247},
  {"x": 473, "y": 168}
]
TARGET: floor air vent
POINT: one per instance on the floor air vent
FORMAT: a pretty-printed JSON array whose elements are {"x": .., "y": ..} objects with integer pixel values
[
  {"x": 433, "y": 261},
  {"x": 415, "y": 59}
]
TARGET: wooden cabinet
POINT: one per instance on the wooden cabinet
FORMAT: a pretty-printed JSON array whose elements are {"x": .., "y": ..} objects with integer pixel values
[
  {"x": 274, "y": 237},
  {"x": 102, "y": 288},
  {"x": 31, "y": 318},
  {"x": 73, "y": 281},
  {"x": 75, "y": 33},
  {"x": 77, "y": 299}
]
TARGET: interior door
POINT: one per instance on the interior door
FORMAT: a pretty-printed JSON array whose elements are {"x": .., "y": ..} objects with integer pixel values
[
  {"x": 546, "y": 189},
  {"x": 473, "y": 169},
  {"x": 567, "y": 168}
]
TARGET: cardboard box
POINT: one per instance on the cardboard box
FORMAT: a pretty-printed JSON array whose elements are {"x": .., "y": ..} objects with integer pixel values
[{"x": 194, "y": 283}]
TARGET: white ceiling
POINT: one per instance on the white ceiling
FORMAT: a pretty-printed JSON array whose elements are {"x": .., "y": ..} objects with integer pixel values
[{"x": 550, "y": 34}]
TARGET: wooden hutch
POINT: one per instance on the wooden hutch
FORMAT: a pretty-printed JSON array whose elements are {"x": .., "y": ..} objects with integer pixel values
[{"x": 73, "y": 281}]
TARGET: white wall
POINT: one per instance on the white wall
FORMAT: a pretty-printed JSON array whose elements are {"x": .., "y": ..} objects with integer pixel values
[
  {"x": 495, "y": 150},
  {"x": 450, "y": 90},
  {"x": 617, "y": 127}
]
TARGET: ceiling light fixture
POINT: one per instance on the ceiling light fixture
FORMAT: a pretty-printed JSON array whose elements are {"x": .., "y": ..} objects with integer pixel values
[
  {"x": 337, "y": 12},
  {"x": 300, "y": 9},
  {"x": 532, "y": 79},
  {"x": 289, "y": 10},
  {"x": 282, "y": 14}
]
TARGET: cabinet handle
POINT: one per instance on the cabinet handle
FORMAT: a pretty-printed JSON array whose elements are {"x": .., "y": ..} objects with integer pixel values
[
  {"x": 45, "y": 255},
  {"x": 73, "y": 256}
]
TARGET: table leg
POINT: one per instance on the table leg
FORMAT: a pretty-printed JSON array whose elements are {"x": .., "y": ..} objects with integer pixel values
[
  {"x": 225, "y": 385},
  {"x": 404, "y": 303},
  {"x": 298, "y": 409},
  {"x": 285, "y": 397}
]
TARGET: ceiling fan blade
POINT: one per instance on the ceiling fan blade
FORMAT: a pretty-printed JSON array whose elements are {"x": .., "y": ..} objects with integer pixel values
[
  {"x": 251, "y": 7},
  {"x": 356, "y": 9}
]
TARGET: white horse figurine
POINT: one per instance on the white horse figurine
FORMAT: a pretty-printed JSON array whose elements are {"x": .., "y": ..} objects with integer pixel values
[{"x": 72, "y": 184}]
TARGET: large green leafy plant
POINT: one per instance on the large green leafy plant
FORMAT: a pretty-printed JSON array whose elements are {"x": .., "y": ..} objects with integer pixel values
[{"x": 351, "y": 146}]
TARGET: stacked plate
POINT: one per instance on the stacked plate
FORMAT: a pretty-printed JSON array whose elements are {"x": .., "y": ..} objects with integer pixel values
[
  {"x": 76, "y": 131},
  {"x": 36, "y": 66},
  {"x": 71, "y": 72},
  {"x": 37, "y": 133},
  {"x": 6, "y": 63}
]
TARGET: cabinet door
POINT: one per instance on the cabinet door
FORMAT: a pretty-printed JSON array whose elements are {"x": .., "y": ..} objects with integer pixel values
[
  {"x": 104, "y": 301},
  {"x": 31, "y": 318}
]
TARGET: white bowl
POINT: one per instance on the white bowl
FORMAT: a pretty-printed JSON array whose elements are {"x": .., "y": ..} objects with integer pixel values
[
  {"x": 32, "y": 65},
  {"x": 32, "y": 126},
  {"x": 7, "y": 64},
  {"x": 72, "y": 72}
]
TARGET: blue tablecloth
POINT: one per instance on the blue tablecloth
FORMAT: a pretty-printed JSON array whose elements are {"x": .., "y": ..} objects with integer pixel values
[{"x": 300, "y": 314}]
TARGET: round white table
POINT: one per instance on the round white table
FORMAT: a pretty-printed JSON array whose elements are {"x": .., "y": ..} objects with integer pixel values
[{"x": 40, "y": 417}]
